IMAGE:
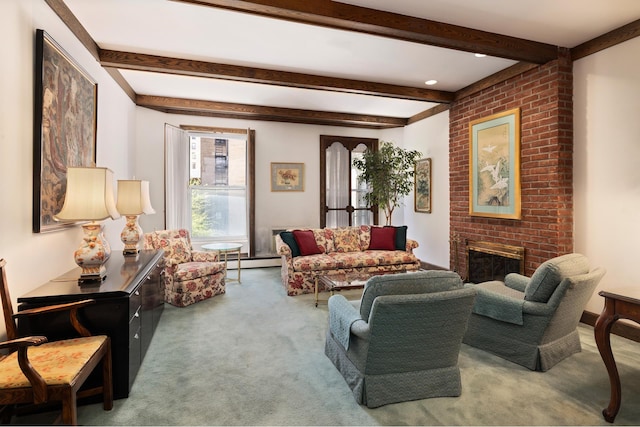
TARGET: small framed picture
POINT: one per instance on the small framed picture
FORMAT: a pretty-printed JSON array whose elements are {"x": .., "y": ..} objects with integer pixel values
[
  {"x": 422, "y": 186},
  {"x": 287, "y": 176}
]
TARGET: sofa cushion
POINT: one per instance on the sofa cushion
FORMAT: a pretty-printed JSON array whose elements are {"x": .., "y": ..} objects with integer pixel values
[
  {"x": 401, "y": 237},
  {"x": 287, "y": 237},
  {"x": 346, "y": 240},
  {"x": 306, "y": 242},
  {"x": 324, "y": 239},
  {"x": 383, "y": 238},
  {"x": 548, "y": 276}
]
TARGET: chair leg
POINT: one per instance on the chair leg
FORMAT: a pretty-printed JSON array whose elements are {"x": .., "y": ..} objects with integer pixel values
[
  {"x": 69, "y": 408},
  {"x": 6, "y": 412},
  {"x": 107, "y": 380}
]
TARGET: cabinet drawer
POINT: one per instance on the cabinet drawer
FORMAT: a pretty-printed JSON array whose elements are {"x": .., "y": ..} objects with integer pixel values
[{"x": 135, "y": 301}]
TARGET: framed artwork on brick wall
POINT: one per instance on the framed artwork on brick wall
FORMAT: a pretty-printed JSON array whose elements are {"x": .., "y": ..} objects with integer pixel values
[
  {"x": 494, "y": 170},
  {"x": 64, "y": 130}
]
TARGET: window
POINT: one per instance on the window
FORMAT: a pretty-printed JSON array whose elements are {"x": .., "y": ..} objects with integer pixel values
[
  {"x": 218, "y": 187},
  {"x": 210, "y": 183}
]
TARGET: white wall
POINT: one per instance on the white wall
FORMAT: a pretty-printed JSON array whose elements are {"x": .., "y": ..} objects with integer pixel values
[
  {"x": 606, "y": 170},
  {"x": 431, "y": 230},
  {"x": 275, "y": 142},
  {"x": 33, "y": 259}
]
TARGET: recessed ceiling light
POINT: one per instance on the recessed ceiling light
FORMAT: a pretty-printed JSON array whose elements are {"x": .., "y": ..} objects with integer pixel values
[
  {"x": 431, "y": 82},
  {"x": 480, "y": 55}
]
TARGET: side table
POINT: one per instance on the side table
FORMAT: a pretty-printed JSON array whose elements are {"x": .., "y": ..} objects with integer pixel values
[
  {"x": 615, "y": 307},
  {"x": 224, "y": 249}
]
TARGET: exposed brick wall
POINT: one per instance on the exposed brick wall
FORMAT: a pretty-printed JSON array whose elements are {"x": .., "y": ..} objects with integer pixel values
[{"x": 544, "y": 96}]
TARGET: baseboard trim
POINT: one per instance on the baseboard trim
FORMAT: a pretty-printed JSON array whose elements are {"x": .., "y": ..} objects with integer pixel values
[{"x": 619, "y": 328}]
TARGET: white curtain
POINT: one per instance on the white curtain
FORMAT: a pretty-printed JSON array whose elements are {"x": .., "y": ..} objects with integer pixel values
[
  {"x": 338, "y": 174},
  {"x": 176, "y": 178}
]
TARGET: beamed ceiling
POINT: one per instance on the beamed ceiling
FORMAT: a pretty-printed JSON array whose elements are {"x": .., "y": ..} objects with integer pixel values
[{"x": 327, "y": 62}]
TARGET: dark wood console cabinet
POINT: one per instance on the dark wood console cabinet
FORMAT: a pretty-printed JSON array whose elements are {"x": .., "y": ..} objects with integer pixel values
[{"x": 129, "y": 302}]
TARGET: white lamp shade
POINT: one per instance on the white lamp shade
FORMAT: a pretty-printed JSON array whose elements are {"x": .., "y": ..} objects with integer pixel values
[
  {"x": 133, "y": 198},
  {"x": 89, "y": 195}
]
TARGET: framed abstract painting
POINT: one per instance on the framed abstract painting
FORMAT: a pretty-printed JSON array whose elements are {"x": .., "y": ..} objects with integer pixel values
[{"x": 64, "y": 132}]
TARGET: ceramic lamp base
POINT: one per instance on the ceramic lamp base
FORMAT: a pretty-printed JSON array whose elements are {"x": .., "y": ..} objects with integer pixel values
[
  {"x": 131, "y": 236},
  {"x": 92, "y": 254}
]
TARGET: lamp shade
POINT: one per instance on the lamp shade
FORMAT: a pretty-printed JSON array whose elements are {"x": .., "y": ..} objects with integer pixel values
[
  {"x": 133, "y": 198},
  {"x": 89, "y": 195}
]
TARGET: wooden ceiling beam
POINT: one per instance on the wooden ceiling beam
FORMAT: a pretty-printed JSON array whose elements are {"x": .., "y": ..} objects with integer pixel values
[
  {"x": 348, "y": 17},
  {"x": 257, "y": 112},
  {"x": 187, "y": 67}
]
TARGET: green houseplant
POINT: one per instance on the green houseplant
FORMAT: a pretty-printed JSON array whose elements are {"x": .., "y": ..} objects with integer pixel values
[{"x": 389, "y": 175}]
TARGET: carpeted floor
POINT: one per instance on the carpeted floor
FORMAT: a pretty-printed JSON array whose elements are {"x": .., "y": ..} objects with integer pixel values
[{"x": 255, "y": 357}]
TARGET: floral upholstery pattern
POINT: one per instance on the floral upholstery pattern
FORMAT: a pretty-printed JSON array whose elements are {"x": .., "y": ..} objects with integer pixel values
[
  {"x": 346, "y": 239},
  {"x": 189, "y": 276},
  {"x": 299, "y": 273},
  {"x": 58, "y": 362}
]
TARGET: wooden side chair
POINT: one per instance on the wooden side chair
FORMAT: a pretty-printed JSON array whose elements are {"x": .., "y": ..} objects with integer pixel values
[{"x": 36, "y": 371}]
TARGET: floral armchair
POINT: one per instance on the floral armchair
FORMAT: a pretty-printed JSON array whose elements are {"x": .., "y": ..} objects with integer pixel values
[{"x": 189, "y": 276}]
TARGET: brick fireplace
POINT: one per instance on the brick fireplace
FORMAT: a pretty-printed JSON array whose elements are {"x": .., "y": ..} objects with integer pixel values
[{"x": 544, "y": 96}]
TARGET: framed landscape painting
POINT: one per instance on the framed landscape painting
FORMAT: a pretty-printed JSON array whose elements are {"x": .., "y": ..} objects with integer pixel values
[
  {"x": 64, "y": 131},
  {"x": 287, "y": 176},
  {"x": 422, "y": 186},
  {"x": 494, "y": 170}
]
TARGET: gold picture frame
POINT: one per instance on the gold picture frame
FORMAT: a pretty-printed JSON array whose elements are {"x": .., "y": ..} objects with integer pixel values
[
  {"x": 494, "y": 170},
  {"x": 422, "y": 186},
  {"x": 287, "y": 176}
]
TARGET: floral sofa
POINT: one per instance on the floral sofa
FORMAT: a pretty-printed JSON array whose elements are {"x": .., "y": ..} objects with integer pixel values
[
  {"x": 189, "y": 276},
  {"x": 369, "y": 249}
]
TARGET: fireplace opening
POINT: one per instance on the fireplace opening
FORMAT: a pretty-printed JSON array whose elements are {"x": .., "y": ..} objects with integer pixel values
[{"x": 492, "y": 261}]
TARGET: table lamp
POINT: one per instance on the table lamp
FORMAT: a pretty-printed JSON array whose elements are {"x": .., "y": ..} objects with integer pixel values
[
  {"x": 89, "y": 197},
  {"x": 133, "y": 200}
]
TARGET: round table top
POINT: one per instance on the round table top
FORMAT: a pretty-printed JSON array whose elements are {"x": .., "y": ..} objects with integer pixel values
[{"x": 222, "y": 246}]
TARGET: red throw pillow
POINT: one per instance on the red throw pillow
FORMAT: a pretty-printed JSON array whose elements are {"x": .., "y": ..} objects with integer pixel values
[
  {"x": 383, "y": 238},
  {"x": 306, "y": 242}
]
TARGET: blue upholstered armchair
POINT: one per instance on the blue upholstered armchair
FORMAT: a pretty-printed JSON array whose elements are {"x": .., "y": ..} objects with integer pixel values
[
  {"x": 401, "y": 342},
  {"x": 533, "y": 321}
]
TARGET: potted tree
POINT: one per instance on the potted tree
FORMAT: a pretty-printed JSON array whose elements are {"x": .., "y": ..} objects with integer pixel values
[{"x": 389, "y": 174}]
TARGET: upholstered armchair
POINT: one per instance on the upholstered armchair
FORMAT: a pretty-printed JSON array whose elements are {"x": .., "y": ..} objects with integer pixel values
[
  {"x": 401, "y": 341},
  {"x": 533, "y": 321},
  {"x": 189, "y": 276}
]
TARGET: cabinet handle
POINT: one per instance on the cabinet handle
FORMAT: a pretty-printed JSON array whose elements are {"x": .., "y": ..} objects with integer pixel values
[
  {"x": 137, "y": 292},
  {"x": 137, "y": 314},
  {"x": 136, "y": 336}
]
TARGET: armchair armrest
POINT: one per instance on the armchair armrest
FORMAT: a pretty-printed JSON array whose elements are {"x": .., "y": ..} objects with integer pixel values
[
  {"x": 516, "y": 281},
  {"x": 342, "y": 315},
  {"x": 22, "y": 342},
  {"x": 72, "y": 307},
  {"x": 204, "y": 256},
  {"x": 498, "y": 306}
]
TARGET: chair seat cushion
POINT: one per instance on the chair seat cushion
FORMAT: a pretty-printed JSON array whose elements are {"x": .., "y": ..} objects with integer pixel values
[
  {"x": 58, "y": 362},
  {"x": 196, "y": 270}
]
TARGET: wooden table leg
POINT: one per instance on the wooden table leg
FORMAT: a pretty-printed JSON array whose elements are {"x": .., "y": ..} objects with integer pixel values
[
  {"x": 316, "y": 290},
  {"x": 602, "y": 331}
]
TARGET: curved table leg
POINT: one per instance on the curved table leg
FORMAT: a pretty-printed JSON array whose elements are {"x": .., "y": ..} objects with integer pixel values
[{"x": 602, "y": 330}]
